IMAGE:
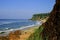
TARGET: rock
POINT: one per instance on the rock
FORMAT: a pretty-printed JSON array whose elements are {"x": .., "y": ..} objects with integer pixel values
[
  {"x": 52, "y": 26},
  {"x": 4, "y": 38},
  {"x": 15, "y": 35}
]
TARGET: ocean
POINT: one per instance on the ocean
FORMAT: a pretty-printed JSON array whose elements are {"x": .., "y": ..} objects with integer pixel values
[{"x": 15, "y": 24}]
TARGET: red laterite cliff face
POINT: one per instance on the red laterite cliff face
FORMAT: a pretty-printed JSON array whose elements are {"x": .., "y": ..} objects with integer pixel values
[{"x": 52, "y": 26}]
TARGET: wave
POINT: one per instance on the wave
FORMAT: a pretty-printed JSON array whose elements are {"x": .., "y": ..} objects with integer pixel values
[
  {"x": 7, "y": 29},
  {"x": 38, "y": 23}
]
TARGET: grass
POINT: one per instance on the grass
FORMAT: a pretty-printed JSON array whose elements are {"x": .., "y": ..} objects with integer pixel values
[{"x": 37, "y": 34}]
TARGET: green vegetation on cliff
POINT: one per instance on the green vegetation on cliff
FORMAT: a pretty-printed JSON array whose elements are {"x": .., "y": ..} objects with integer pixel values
[
  {"x": 37, "y": 34},
  {"x": 51, "y": 30},
  {"x": 40, "y": 16}
]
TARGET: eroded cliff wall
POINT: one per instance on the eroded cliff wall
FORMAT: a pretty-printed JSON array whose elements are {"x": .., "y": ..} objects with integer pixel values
[{"x": 52, "y": 26}]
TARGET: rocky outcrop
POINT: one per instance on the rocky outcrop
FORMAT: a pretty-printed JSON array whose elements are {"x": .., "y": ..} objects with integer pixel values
[
  {"x": 52, "y": 26},
  {"x": 12, "y": 35},
  {"x": 4, "y": 38},
  {"x": 15, "y": 35}
]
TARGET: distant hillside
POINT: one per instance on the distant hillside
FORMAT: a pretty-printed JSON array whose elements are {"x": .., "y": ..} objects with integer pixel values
[{"x": 40, "y": 16}]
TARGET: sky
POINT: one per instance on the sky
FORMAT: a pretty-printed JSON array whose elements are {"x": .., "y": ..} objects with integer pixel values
[{"x": 24, "y": 9}]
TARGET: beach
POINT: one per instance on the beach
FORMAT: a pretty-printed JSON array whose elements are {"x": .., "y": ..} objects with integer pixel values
[
  {"x": 22, "y": 34},
  {"x": 27, "y": 32}
]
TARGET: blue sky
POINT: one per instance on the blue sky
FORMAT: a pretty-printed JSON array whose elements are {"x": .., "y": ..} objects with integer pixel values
[{"x": 24, "y": 9}]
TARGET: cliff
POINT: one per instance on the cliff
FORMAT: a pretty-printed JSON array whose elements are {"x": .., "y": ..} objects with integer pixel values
[
  {"x": 50, "y": 30},
  {"x": 52, "y": 26},
  {"x": 40, "y": 16}
]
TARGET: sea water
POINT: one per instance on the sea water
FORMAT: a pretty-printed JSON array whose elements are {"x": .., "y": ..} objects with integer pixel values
[{"x": 7, "y": 25}]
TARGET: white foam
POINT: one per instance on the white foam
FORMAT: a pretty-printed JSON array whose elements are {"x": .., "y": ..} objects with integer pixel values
[
  {"x": 7, "y": 28},
  {"x": 38, "y": 23}
]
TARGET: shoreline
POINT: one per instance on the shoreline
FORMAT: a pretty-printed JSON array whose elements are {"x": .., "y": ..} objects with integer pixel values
[
  {"x": 20, "y": 34},
  {"x": 6, "y": 33},
  {"x": 25, "y": 29}
]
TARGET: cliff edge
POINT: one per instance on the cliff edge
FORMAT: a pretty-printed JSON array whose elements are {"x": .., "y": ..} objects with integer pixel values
[{"x": 52, "y": 25}]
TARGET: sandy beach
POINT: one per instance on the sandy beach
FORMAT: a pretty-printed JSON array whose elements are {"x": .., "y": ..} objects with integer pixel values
[
  {"x": 22, "y": 34},
  {"x": 27, "y": 32}
]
